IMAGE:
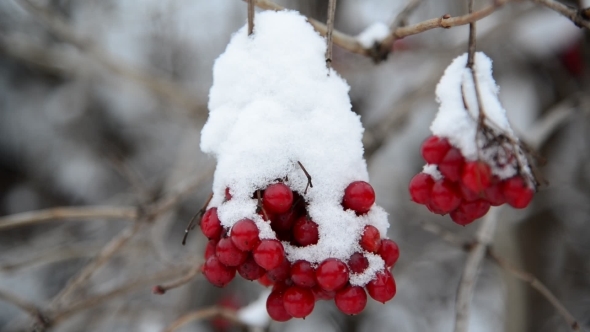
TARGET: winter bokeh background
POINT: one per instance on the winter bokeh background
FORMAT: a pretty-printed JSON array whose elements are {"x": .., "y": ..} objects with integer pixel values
[{"x": 75, "y": 130}]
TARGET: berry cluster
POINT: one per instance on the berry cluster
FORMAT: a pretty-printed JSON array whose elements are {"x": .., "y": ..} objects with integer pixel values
[
  {"x": 463, "y": 189},
  {"x": 299, "y": 284}
]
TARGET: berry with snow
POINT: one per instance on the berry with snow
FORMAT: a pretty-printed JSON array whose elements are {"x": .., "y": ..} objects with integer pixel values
[{"x": 359, "y": 196}]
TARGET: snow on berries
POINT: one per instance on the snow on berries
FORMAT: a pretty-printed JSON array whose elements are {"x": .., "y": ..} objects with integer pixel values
[
  {"x": 291, "y": 204},
  {"x": 473, "y": 159}
]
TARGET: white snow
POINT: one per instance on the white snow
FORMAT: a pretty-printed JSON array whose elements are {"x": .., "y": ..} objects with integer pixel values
[
  {"x": 459, "y": 125},
  {"x": 272, "y": 104},
  {"x": 374, "y": 33},
  {"x": 433, "y": 171},
  {"x": 255, "y": 314}
]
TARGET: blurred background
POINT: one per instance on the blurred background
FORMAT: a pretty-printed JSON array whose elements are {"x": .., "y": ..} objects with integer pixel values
[{"x": 106, "y": 110}]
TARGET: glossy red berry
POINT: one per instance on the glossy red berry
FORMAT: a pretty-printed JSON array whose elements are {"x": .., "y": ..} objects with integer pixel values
[
  {"x": 210, "y": 248},
  {"x": 322, "y": 294},
  {"x": 420, "y": 188},
  {"x": 303, "y": 274},
  {"x": 283, "y": 221},
  {"x": 298, "y": 301},
  {"x": 371, "y": 239},
  {"x": 264, "y": 281},
  {"x": 244, "y": 235},
  {"x": 475, "y": 209},
  {"x": 359, "y": 196},
  {"x": 217, "y": 273},
  {"x": 305, "y": 232},
  {"x": 332, "y": 274},
  {"x": 445, "y": 196},
  {"x": 269, "y": 254},
  {"x": 358, "y": 263},
  {"x": 351, "y": 300},
  {"x": 280, "y": 273},
  {"x": 494, "y": 195},
  {"x": 249, "y": 270},
  {"x": 452, "y": 164},
  {"x": 477, "y": 176},
  {"x": 210, "y": 224},
  {"x": 278, "y": 198},
  {"x": 459, "y": 217},
  {"x": 517, "y": 193},
  {"x": 228, "y": 254},
  {"x": 434, "y": 149},
  {"x": 389, "y": 252},
  {"x": 276, "y": 308},
  {"x": 467, "y": 194},
  {"x": 382, "y": 287}
]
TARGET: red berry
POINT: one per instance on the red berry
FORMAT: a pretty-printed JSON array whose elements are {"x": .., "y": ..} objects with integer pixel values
[
  {"x": 420, "y": 188},
  {"x": 460, "y": 217},
  {"x": 269, "y": 254},
  {"x": 227, "y": 194},
  {"x": 228, "y": 254},
  {"x": 382, "y": 287},
  {"x": 452, "y": 164},
  {"x": 264, "y": 281},
  {"x": 467, "y": 194},
  {"x": 244, "y": 235},
  {"x": 210, "y": 224},
  {"x": 305, "y": 232},
  {"x": 298, "y": 301},
  {"x": 358, "y": 263},
  {"x": 249, "y": 270},
  {"x": 434, "y": 149},
  {"x": 321, "y": 294},
  {"x": 435, "y": 209},
  {"x": 359, "y": 196},
  {"x": 389, "y": 252},
  {"x": 445, "y": 196},
  {"x": 494, "y": 194},
  {"x": 351, "y": 300},
  {"x": 332, "y": 274},
  {"x": 475, "y": 209},
  {"x": 210, "y": 248},
  {"x": 283, "y": 221},
  {"x": 477, "y": 176},
  {"x": 280, "y": 273},
  {"x": 276, "y": 308},
  {"x": 303, "y": 274},
  {"x": 370, "y": 240},
  {"x": 278, "y": 198},
  {"x": 217, "y": 273},
  {"x": 517, "y": 193}
]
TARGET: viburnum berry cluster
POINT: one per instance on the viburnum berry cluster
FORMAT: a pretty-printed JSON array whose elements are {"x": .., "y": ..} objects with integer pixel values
[
  {"x": 474, "y": 161},
  {"x": 299, "y": 284},
  {"x": 279, "y": 119}
]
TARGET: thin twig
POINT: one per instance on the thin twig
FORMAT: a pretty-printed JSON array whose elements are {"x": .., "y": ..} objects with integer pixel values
[
  {"x": 29, "y": 307},
  {"x": 472, "y": 39},
  {"x": 331, "y": 14},
  {"x": 67, "y": 213},
  {"x": 309, "y": 184},
  {"x": 484, "y": 237},
  {"x": 250, "y": 17},
  {"x": 206, "y": 313},
  {"x": 578, "y": 16},
  {"x": 188, "y": 277},
  {"x": 50, "y": 256},
  {"x": 197, "y": 216},
  {"x": 402, "y": 18},
  {"x": 538, "y": 286},
  {"x": 167, "y": 89}
]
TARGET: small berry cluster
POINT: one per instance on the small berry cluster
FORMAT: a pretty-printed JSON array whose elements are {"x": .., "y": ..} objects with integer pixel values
[
  {"x": 296, "y": 285},
  {"x": 463, "y": 189}
]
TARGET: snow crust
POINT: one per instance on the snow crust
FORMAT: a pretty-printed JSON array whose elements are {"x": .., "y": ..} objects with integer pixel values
[
  {"x": 460, "y": 124},
  {"x": 374, "y": 33},
  {"x": 272, "y": 104}
]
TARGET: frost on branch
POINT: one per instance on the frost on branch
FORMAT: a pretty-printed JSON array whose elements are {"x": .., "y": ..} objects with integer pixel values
[
  {"x": 274, "y": 110},
  {"x": 474, "y": 160}
]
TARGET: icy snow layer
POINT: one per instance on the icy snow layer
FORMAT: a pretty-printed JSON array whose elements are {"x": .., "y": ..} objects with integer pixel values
[
  {"x": 272, "y": 104},
  {"x": 374, "y": 33},
  {"x": 459, "y": 125}
]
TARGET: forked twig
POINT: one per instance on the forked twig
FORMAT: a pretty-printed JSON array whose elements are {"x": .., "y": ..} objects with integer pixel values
[
  {"x": 309, "y": 184},
  {"x": 197, "y": 216}
]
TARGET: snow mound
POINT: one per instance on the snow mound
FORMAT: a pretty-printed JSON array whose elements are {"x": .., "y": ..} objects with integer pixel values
[{"x": 273, "y": 103}]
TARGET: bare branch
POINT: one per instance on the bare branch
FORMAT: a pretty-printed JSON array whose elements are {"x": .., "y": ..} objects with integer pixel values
[
  {"x": 331, "y": 14},
  {"x": 24, "y": 305},
  {"x": 402, "y": 18},
  {"x": 67, "y": 213},
  {"x": 188, "y": 277},
  {"x": 250, "y": 17},
  {"x": 484, "y": 237},
  {"x": 578, "y": 16},
  {"x": 206, "y": 313}
]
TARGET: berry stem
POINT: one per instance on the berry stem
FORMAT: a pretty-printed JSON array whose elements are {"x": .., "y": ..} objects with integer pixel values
[
  {"x": 309, "y": 184},
  {"x": 260, "y": 206},
  {"x": 161, "y": 289},
  {"x": 197, "y": 216}
]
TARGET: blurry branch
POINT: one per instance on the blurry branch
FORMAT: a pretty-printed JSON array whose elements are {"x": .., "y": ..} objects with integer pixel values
[
  {"x": 578, "y": 16},
  {"x": 380, "y": 51},
  {"x": 402, "y": 18},
  {"x": 538, "y": 286},
  {"x": 456, "y": 241},
  {"x": 65, "y": 213},
  {"x": 167, "y": 89},
  {"x": 44, "y": 58},
  {"x": 206, "y": 313},
  {"x": 543, "y": 128},
  {"x": 50, "y": 256},
  {"x": 483, "y": 238},
  {"x": 24, "y": 305},
  {"x": 184, "y": 279}
]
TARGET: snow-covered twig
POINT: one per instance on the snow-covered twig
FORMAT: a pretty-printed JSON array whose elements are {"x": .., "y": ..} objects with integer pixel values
[
  {"x": 484, "y": 237},
  {"x": 206, "y": 313},
  {"x": 165, "y": 88}
]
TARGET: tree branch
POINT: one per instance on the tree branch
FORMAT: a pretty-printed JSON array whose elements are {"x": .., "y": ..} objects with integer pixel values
[
  {"x": 24, "y": 305},
  {"x": 578, "y": 16},
  {"x": 206, "y": 313},
  {"x": 184, "y": 279}
]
